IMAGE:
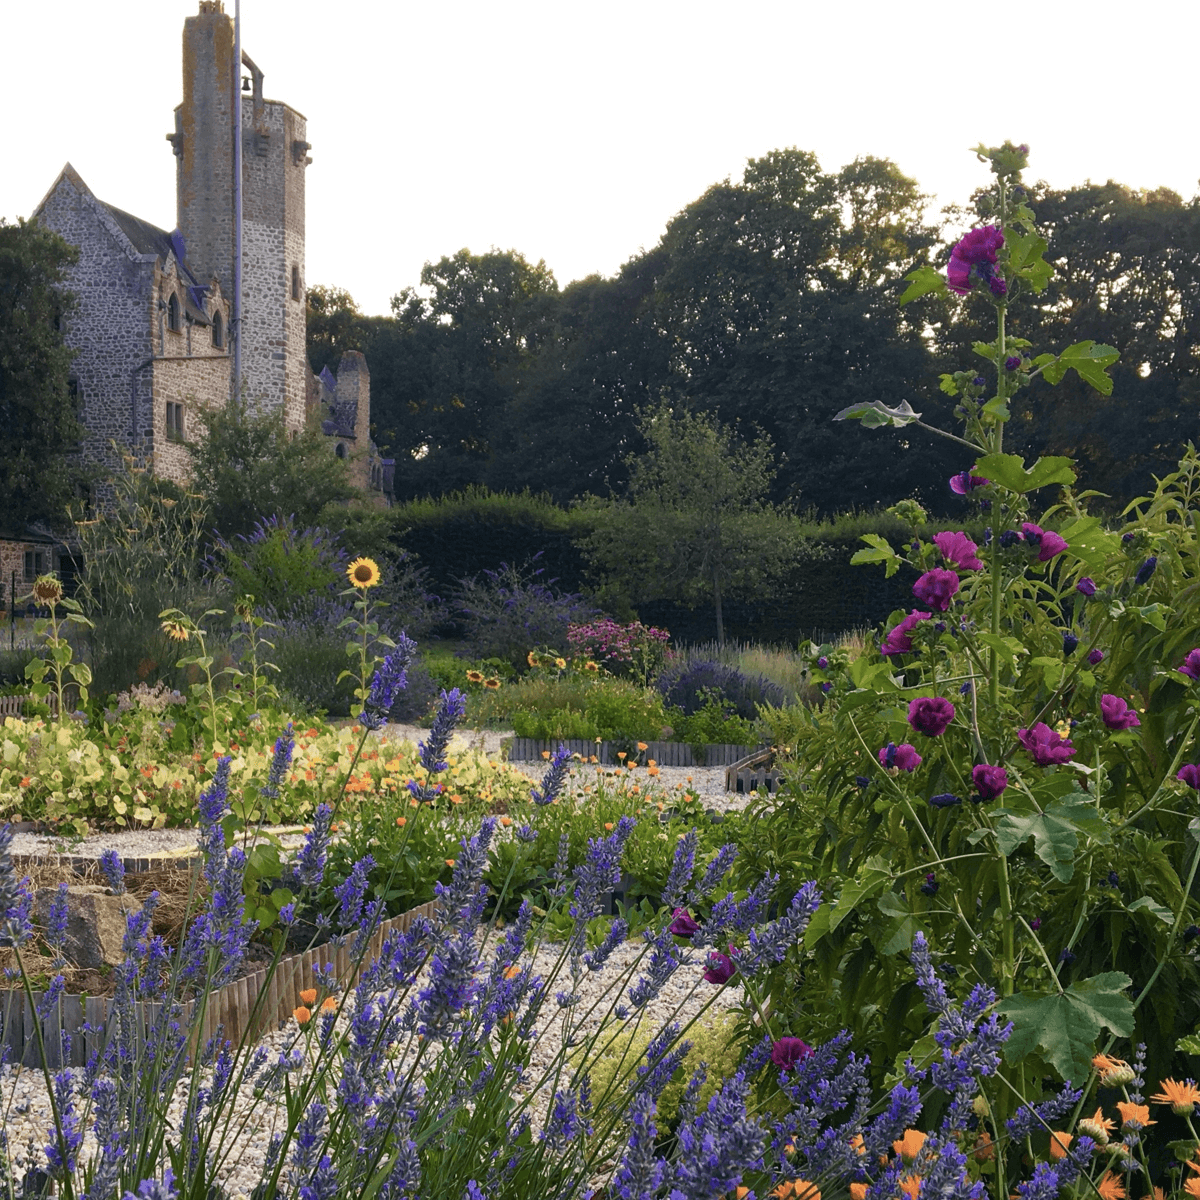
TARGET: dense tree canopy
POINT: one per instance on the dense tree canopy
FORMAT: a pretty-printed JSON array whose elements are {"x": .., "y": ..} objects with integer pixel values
[
  {"x": 39, "y": 424},
  {"x": 771, "y": 303}
]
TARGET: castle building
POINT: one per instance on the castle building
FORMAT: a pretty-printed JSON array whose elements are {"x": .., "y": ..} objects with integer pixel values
[{"x": 155, "y": 323}]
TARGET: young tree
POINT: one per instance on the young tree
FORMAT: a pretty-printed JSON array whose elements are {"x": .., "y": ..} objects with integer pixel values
[
  {"x": 248, "y": 468},
  {"x": 39, "y": 426},
  {"x": 696, "y": 525}
]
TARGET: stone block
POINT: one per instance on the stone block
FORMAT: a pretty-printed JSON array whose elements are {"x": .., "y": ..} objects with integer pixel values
[{"x": 95, "y": 923}]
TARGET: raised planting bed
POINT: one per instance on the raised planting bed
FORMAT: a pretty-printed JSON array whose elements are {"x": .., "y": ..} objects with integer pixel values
[
  {"x": 252, "y": 1005},
  {"x": 665, "y": 754},
  {"x": 756, "y": 772}
]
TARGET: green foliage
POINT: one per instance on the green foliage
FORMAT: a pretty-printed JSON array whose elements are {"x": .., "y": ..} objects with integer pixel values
[
  {"x": 282, "y": 565},
  {"x": 39, "y": 421},
  {"x": 714, "y": 723},
  {"x": 696, "y": 525},
  {"x": 48, "y": 674},
  {"x": 248, "y": 468}
]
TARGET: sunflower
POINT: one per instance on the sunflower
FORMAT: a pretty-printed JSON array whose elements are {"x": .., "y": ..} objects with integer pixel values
[
  {"x": 531, "y": 659},
  {"x": 474, "y": 676},
  {"x": 1182, "y": 1097},
  {"x": 561, "y": 663},
  {"x": 491, "y": 683},
  {"x": 47, "y": 590},
  {"x": 363, "y": 573},
  {"x": 1110, "y": 1187},
  {"x": 591, "y": 666},
  {"x": 177, "y": 631}
]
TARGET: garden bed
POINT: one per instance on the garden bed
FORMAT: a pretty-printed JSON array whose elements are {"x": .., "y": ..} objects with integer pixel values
[
  {"x": 664, "y": 754},
  {"x": 250, "y": 1006}
]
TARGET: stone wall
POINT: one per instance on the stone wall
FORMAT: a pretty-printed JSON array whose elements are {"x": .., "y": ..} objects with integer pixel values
[{"x": 12, "y": 558}]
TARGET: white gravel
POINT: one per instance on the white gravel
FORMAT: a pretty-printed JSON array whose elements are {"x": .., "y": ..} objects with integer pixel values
[{"x": 26, "y": 1116}]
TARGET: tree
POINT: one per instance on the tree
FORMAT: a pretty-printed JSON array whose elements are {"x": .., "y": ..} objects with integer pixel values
[
  {"x": 334, "y": 325},
  {"x": 248, "y": 468},
  {"x": 696, "y": 525},
  {"x": 39, "y": 425}
]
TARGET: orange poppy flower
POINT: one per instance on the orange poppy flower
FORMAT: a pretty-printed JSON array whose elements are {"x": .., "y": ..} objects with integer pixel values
[
  {"x": 608, "y": 825},
  {"x": 1110, "y": 1187},
  {"x": 643, "y": 746}
]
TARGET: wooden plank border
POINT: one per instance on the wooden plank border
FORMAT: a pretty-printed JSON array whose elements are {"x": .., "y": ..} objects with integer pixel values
[
  {"x": 251, "y": 1005},
  {"x": 665, "y": 754}
]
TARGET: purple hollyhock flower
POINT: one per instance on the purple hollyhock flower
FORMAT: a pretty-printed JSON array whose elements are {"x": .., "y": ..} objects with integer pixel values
[
  {"x": 1035, "y": 924},
  {"x": 930, "y": 715},
  {"x": 1116, "y": 713},
  {"x": 964, "y": 482},
  {"x": 684, "y": 924},
  {"x": 930, "y": 886},
  {"x": 898, "y": 639},
  {"x": 979, "y": 381},
  {"x": 1046, "y": 540},
  {"x": 721, "y": 967},
  {"x": 1046, "y": 746},
  {"x": 936, "y": 588},
  {"x": 959, "y": 550},
  {"x": 1095, "y": 657},
  {"x": 1190, "y": 774},
  {"x": 1086, "y": 587},
  {"x": 788, "y": 1051},
  {"x": 976, "y": 250},
  {"x": 1191, "y": 664},
  {"x": 1012, "y": 362},
  {"x": 1070, "y": 642},
  {"x": 997, "y": 285},
  {"x": 990, "y": 781},
  {"x": 901, "y": 758},
  {"x": 822, "y": 662},
  {"x": 1145, "y": 571}
]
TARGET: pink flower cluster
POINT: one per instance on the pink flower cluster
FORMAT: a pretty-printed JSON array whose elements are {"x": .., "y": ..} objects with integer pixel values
[
  {"x": 608, "y": 641},
  {"x": 974, "y": 259}
]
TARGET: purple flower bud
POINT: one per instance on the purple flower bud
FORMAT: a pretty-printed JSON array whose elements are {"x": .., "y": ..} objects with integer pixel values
[
  {"x": 930, "y": 886},
  {"x": 979, "y": 381},
  {"x": 1035, "y": 924},
  {"x": 1191, "y": 664},
  {"x": 1191, "y": 933},
  {"x": 997, "y": 286},
  {"x": 1126, "y": 538},
  {"x": 965, "y": 690},
  {"x": 964, "y": 482},
  {"x": 1066, "y": 957},
  {"x": 863, "y": 781},
  {"x": 1190, "y": 774},
  {"x": 1145, "y": 571},
  {"x": 1086, "y": 587},
  {"x": 1070, "y": 642},
  {"x": 1012, "y": 362},
  {"x": 822, "y": 662},
  {"x": 1048, "y": 542},
  {"x": 827, "y": 687},
  {"x": 945, "y": 800},
  {"x": 1095, "y": 657},
  {"x": 1009, "y": 538}
]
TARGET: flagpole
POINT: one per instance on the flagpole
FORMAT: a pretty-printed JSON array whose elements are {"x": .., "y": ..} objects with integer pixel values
[{"x": 237, "y": 201}]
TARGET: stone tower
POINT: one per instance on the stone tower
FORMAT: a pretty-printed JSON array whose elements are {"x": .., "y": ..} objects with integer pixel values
[{"x": 274, "y": 158}]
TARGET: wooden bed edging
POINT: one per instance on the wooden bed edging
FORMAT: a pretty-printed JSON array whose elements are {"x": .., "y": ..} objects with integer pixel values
[
  {"x": 231, "y": 1006},
  {"x": 665, "y": 754}
]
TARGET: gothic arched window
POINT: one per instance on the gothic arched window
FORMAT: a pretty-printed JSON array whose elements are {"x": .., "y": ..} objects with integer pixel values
[
  {"x": 218, "y": 330},
  {"x": 173, "y": 312}
]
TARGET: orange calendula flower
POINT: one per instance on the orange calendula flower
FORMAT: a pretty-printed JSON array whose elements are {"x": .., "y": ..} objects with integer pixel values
[
  {"x": 1158, "y": 1195},
  {"x": 1182, "y": 1097},
  {"x": 302, "y": 1015},
  {"x": 308, "y": 996},
  {"x": 857, "y": 1144},
  {"x": 402, "y": 821},
  {"x": 1114, "y": 1072},
  {"x": 450, "y": 863},
  {"x": 909, "y": 1146},
  {"x": 1136, "y": 1115},
  {"x": 26, "y": 780},
  {"x": 910, "y": 1185},
  {"x": 1060, "y": 1143},
  {"x": 329, "y": 1004},
  {"x": 511, "y": 972},
  {"x": 363, "y": 573},
  {"x": 1110, "y": 1187},
  {"x": 1097, "y": 1127},
  {"x": 984, "y": 1149},
  {"x": 506, "y": 821},
  {"x": 643, "y": 746},
  {"x": 1192, "y": 1187},
  {"x": 858, "y": 1191}
]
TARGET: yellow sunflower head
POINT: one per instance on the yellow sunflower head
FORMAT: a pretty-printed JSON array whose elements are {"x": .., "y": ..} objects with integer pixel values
[
  {"x": 591, "y": 666},
  {"x": 177, "y": 631},
  {"x": 561, "y": 663},
  {"x": 47, "y": 590},
  {"x": 363, "y": 573},
  {"x": 492, "y": 683},
  {"x": 531, "y": 659},
  {"x": 474, "y": 676}
]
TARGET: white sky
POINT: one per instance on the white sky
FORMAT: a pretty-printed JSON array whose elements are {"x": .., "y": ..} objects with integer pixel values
[{"x": 574, "y": 132}]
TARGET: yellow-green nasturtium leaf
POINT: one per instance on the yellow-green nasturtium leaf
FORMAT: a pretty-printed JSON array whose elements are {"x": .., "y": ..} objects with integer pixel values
[{"x": 1090, "y": 359}]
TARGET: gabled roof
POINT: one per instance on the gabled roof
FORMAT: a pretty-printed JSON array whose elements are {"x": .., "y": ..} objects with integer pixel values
[{"x": 144, "y": 237}]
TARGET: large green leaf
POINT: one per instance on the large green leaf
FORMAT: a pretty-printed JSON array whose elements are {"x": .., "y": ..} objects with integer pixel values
[
  {"x": 921, "y": 282},
  {"x": 902, "y": 926},
  {"x": 1065, "y": 1026},
  {"x": 1090, "y": 359},
  {"x": 876, "y": 414},
  {"x": 1008, "y": 470},
  {"x": 1025, "y": 258},
  {"x": 880, "y": 551},
  {"x": 1090, "y": 542},
  {"x": 1055, "y": 831},
  {"x": 871, "y": 880}
]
